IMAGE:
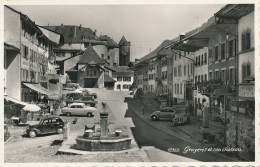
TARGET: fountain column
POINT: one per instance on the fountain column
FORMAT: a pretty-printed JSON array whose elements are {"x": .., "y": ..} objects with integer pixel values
[{"x": 103, "y": 120}]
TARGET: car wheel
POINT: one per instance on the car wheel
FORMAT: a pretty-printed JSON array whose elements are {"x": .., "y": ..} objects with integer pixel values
[
  {"x": 68, "y": 114},
  {"x": 60, "y": 130},
  {"x": 32, "y": 134},
  {"x": 154, "y": 118},
  {"x": 89, "y": 114}
]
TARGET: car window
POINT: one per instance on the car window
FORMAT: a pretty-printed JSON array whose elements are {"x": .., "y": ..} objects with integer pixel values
[
  {"x": 45, "y": 122},
  {"x": 79, "y": 106},
  {"x": 171, "y": 110},
  {"x": 73, "y": 106},
  {"x": 164, "y": 110}
]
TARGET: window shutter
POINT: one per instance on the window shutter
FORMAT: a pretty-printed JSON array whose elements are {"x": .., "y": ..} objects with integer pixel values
[
  {"x": 227, "y": 75},
  {"x": 243, "y": 41},
  {"x": 248, "y": 40},
  {"x": 248, "y": 70},
  {"x": 243, "y": 72}
]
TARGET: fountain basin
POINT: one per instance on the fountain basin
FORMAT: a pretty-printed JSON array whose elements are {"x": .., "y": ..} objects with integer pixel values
[{"x": 103, "y": 144}]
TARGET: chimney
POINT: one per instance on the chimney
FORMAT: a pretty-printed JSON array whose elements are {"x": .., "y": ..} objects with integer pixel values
[
  {"x": 61, "y": 25},
  {"x": 80, "y": 26},
  {"x": 182, "y": 36},
  {"x": 95, "y": 32}
]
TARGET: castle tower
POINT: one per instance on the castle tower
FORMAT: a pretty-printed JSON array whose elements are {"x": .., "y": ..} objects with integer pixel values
[{"x": 124, "y": 52}]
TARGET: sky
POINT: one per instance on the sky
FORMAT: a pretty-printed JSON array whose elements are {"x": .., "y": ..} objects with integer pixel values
[{"x": 145, "y": 26}]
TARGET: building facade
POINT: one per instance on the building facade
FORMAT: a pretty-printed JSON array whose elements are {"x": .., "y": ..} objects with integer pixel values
[
  {"x": 182, "y": 76},
  {"x": 201, "y": 75},
  {"x": 33, "y": 48}
]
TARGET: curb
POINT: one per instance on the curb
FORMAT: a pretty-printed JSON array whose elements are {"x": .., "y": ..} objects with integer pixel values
[
  {"x": 216, "y": 126},
  {"x": 8, "y": 139},
  {"x": 199, "y": 141}
]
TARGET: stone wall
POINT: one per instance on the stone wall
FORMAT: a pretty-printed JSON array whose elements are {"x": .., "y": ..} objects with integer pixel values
[{"x": 241, "y": 133}]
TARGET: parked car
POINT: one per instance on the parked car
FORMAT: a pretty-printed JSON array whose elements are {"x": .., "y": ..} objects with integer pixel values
[
  {"x": 181, "y": 117},
  {"x": 86, "y": 93},
  {"x": 166, "y": 113},
  {"x": 79, "y": 109},
  {"x": 45, "y": 126},
  {"x": 72, "y": 86},
  {"x": 76, "y": 97}
]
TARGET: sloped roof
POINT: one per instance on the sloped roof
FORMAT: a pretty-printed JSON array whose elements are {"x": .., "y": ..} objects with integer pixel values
[
  {"x": 125, "y": 73},
  {"x": 72, "y": 69},
  {"x": 53, "y": 36},
  {"x": 107, "y": 78},
  {"x": 90, "y": 56},
  {"x": 154, "y": 53},
  {"x": 111, "y": 43},
  {"x": 72, "y": 33},
  {"x": 123, "y": 41},
  {"x": 119, "y": 68}
]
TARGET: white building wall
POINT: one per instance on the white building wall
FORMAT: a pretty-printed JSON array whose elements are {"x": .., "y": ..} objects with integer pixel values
[
  {"x": 183, "y": 79},
  {"x": 122, "y": 83},
  {"x": 244, "y": 24},
  {"x": 198, "y": 71}
]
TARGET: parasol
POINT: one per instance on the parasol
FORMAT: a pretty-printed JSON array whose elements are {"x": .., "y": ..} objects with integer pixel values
[
  {"x": 31, "y": 108},
  {"x": 77, "y": 91}
]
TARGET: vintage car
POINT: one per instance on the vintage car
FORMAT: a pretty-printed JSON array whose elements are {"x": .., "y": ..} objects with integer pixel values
[
  {"x": 181, "y": 117},
  {"x": 79, "y": 109},
  {"x": 72, "y": 86},
  {"x": 78, "y": 97},
  {"x": 166, "y": 113},
  {"x": 45, "y": 126}
]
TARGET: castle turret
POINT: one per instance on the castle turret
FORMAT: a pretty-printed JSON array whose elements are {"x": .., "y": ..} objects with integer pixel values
[{"x": 124, "y": 52}]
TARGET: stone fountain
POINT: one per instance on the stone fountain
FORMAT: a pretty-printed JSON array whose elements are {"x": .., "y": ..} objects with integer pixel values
[{"x": 103, "y": 140}]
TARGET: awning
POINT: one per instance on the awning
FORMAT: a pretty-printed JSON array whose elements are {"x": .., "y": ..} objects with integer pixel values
[
  {"x": 11, "y": 47},
  {"x": 8, "y": 98},
  {"x": 38, "y": 88}
]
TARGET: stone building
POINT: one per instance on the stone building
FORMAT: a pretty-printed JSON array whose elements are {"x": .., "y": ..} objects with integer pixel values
[
  {"x": 26, "y": 56},
  {"x": 241, "y": 116},
  {"x": 182, "y": 76},
  {"x": 124, "y": 52},
  {"x": 201, "y": 75},
  {"x": 87, "y": 69},
  {"x": 78, "y": 38},
  {"x": 123, "y": 75},
  {"x": 228, "y": 37}
]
